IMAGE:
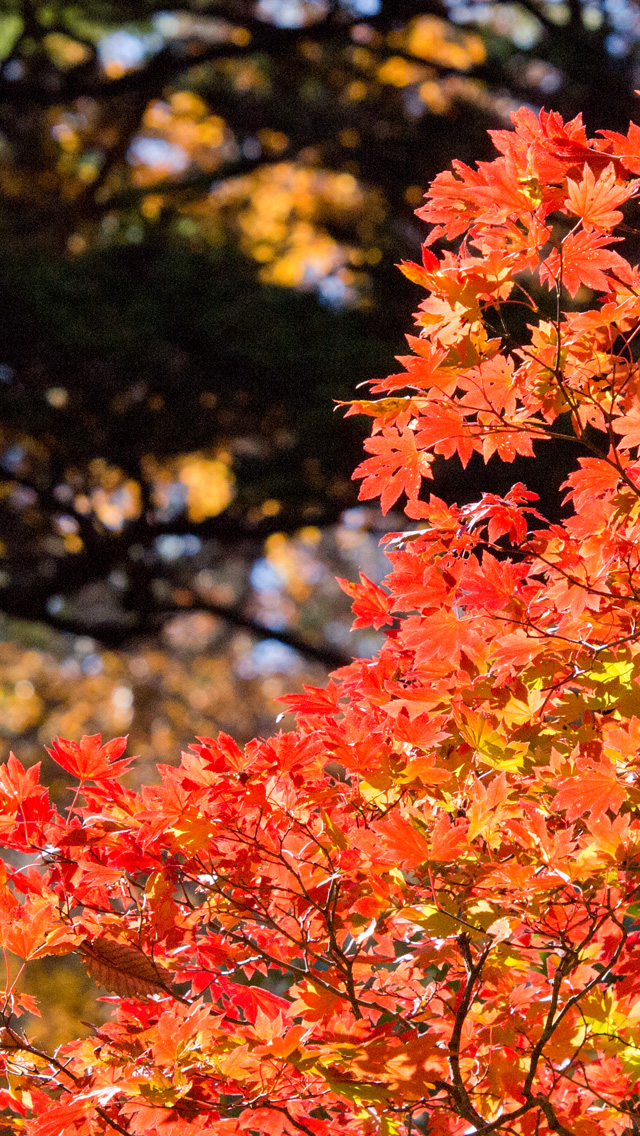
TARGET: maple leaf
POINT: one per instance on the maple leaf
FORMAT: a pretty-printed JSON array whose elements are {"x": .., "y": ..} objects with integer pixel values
[
  {"x": 271, "y": 1121},
  {"x": 17, "y": 784},
  {"x": 418, "y": 274},
  {"x": 397, "y": 467},
  {"x": 491, "y": 584},
  {"x": 594, "y": 790},
  {"x": 89, "y": 760},
  {"x": 485, "y": 811},
  {"x": 315, "y": 1003},
  {"x": 610, "y": 835},
  {"x": 595, "y": 478},
  {"x": 445, "y": 430},
  {"x": 440, "y": 635},
  {"x": 585, "y": 260},
  {"x": 628, "y": 425},
  {"x": 448, "y": 839},
  {"x": 446, "y": 207},
  {"x": 371, "y": 603},
  {"x": 595, "y": 200},
  {"x": 314, "y": 701},
  {"x": 625, "y": 147},
  {"x": 221, "y": 754},
  {"x": 34, "y": 931},
  {"x": 403, "y": 840},
  {"x": 384, "y": 410},
  {"x": 67, "y": 1117},
  {"x": 192, "y": 831}
]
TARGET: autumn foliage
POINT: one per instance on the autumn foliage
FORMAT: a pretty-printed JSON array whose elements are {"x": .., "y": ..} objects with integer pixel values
[{"x": 421, "y": 907}]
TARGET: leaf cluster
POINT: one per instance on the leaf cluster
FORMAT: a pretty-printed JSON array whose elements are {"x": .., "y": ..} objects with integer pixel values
[{"x": 419, "y": 907}]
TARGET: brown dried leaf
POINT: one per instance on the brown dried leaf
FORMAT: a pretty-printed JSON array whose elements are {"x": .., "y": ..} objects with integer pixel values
[{"x": 124, "y": 969}]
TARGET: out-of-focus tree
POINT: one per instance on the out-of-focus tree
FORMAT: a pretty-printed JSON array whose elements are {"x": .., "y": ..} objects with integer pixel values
[
  {"x": 156, "y": 430},
  {"x": 201, "y": 673},
  {"x": 196, "y": 208},
  {"x": 304, "y": 119}
]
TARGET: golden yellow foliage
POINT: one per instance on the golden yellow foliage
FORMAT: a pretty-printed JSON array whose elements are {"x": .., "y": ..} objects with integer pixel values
[
  {"x": 209, "y": 482},
  {"x": 203, "y": 482},
  {"x": 281, "y": 212},
  {"x": 399, "y": 72},
  {"x": 293, "y": 560},
  {"x": 436, "y": 41},
  {"x": 65, "y": 51}
]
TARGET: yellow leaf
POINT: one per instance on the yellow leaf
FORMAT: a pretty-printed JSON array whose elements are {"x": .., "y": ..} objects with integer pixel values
[{"x": 193, "y": 832}]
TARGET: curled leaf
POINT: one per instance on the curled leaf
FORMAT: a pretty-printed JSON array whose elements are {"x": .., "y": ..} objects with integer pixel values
[{"x": 124, "y": 969}]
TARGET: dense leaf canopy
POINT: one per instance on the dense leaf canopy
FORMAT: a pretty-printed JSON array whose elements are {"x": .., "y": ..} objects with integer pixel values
[
  {"x": 200, "y": 209},
  {"x": 418, "y": 908}
]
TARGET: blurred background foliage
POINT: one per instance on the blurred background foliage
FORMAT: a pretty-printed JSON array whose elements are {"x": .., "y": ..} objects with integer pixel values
[{"x": 200, "y": 207}]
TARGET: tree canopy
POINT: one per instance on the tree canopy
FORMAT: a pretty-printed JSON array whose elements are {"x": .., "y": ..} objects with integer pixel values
[
  {"x": 198, "y": 209},
  {"x": 418, "y": 908}
]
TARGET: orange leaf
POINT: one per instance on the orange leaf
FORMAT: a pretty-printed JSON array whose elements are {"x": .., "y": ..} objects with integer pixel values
[
  {"x": 593, "y": 791},
  {"x": 595, "y": 201}
]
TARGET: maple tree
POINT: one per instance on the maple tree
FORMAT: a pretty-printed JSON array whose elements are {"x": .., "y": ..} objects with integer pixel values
[{"x": 420, "y": 907}]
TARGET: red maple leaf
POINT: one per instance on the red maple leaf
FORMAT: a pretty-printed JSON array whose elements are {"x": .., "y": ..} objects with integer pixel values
[
  {"x": 397, "y": 467},
  {"x": 89, "y": 760},
  {"x": 585, "y": 260},
  {"x": 371, "y": 603},
  {"x": 625, "y": 147},
  {"x": 17, "y": 784},
  {"x": 595, "y": 479}
]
